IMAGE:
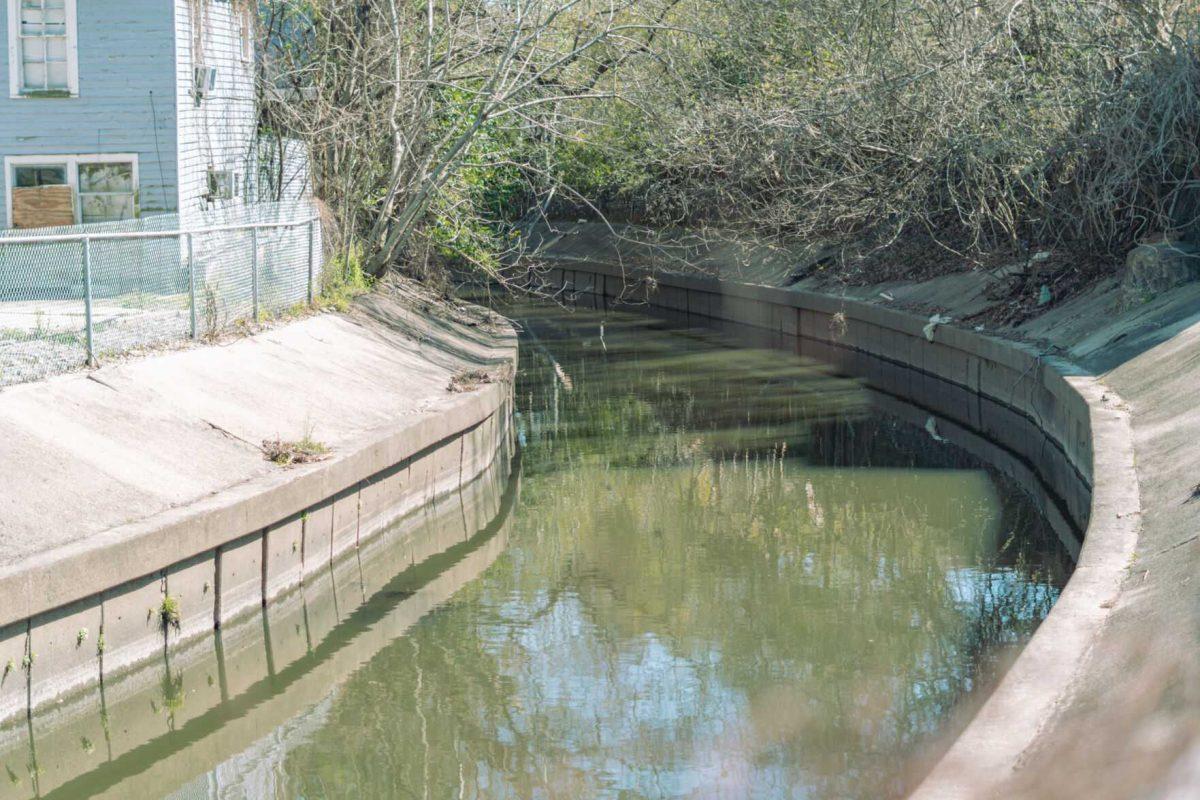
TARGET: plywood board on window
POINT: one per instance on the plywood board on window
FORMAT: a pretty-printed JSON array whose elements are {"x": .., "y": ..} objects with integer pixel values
[{"x": 42, "y": 207}]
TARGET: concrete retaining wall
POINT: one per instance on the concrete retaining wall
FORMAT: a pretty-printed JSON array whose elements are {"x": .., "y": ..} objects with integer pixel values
[
  {"x": 1055, "y": 424},
  {"x": 83, "y": 615},
  {"x": 205, "y": 701}
]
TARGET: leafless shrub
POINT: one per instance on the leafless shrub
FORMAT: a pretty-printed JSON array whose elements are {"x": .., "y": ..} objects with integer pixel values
[
  {"x": 976, "y": 126},
  {"x": 417, "y": 112}
]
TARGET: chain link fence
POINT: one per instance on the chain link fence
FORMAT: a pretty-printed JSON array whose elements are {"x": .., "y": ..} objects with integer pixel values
[{"x": 81, "y": 294}]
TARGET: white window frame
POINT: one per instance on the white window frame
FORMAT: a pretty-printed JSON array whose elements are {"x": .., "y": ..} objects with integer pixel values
[
  {"x": 245, "y": 23},
  {"x": 15, "y": 76},
  {"x": 234, "y": 181},
  {"x": 71, "y": 162}
]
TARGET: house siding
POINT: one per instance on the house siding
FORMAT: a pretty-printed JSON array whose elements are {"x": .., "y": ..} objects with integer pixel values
[
  {"x": 284, "y": 172},
  {"x": 126, "y": 104},
  {"x": 219, "y": 132}
]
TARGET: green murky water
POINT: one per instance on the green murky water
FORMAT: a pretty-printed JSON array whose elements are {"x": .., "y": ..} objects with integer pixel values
[{"x": 727, "y": 575}]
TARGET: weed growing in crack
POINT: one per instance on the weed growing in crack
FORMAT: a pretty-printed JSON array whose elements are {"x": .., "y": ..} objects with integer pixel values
[{"x": 169, "y": 613}]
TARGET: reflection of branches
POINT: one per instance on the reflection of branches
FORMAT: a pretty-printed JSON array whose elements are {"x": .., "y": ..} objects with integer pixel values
[{"x": 657, "y": 616}]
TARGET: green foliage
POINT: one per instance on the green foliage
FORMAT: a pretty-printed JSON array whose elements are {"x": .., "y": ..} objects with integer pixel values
[
  {"x": 985, "y": 127},
  {"x": 169, "y": 613},
  {"x": 343, "y": 279},
  {"x": 608, "y": 162}
]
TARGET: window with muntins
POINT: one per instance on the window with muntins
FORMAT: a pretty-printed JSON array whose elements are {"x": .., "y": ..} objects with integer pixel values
[
  {"x": 42, "y": 47},
  {"x": 46, "y": 191},
  {"x": 222, "y": 185},
  {"x": 106, "y": 192}
]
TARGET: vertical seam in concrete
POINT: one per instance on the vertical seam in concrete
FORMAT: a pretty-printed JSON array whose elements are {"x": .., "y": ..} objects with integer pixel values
[
  {"x": 358, "y": 513},
  {"x": 303, "y": 545},
  {"x": 164, "y": 588},
  {"x": 27, "y": 668},
  {"x": 100, "y": 650},
  {"x": 217, "y": 588},
  {"x": 332, "y": 530},
  {"x": 462, "y": 447},
  {"x": 266, "y": 539}
]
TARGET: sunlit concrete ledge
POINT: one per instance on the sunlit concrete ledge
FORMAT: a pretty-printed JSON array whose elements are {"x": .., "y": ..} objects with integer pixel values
[
  {"x": 245, "y": 531},
  {"x": 1085, "y": 456}
]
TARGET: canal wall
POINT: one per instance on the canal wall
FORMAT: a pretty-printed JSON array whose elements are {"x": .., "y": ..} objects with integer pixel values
[
  {"x": 1059, "y": 424},
  {"x": 142, "y": 512},
  {"x": 213, "y": 699}
]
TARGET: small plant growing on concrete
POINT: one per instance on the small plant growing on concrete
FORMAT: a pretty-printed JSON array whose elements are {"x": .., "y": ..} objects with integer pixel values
[
  {"x": 100, "y": 644},
  {"x": 81, "y": 637},
  {"x": 8, "y": 667},
  {"x": 169, "y": 613},
  {"x": 286, "y": 454},
  {"x": 27, "y": 661},
  {"x": 468, "y": 380}
]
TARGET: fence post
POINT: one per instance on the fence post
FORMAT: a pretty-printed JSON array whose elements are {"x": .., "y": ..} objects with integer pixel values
[
  {"x": 254, "y": 273},
  {"x": 191, "y": 258},
  {"x": 87, "y": 300},
  {"x": 311, "y": 250}
]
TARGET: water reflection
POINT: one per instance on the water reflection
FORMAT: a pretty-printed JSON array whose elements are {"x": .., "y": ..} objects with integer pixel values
[
  {"x": 145, "y": 732},
  {"x": 728, "y": 577}
]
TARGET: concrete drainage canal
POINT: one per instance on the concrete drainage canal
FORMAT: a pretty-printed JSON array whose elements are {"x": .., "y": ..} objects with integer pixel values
[{"x": 712, "y": 571}]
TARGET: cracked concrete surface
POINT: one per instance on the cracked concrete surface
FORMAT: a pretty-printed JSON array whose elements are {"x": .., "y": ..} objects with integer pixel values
[{"x": 84, "y": 453}]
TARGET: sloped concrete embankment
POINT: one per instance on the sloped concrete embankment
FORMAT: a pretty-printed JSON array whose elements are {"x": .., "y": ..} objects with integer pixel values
[
  {"x": 159, "y": 520},
  {"x": 1060, "y": 425}
]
